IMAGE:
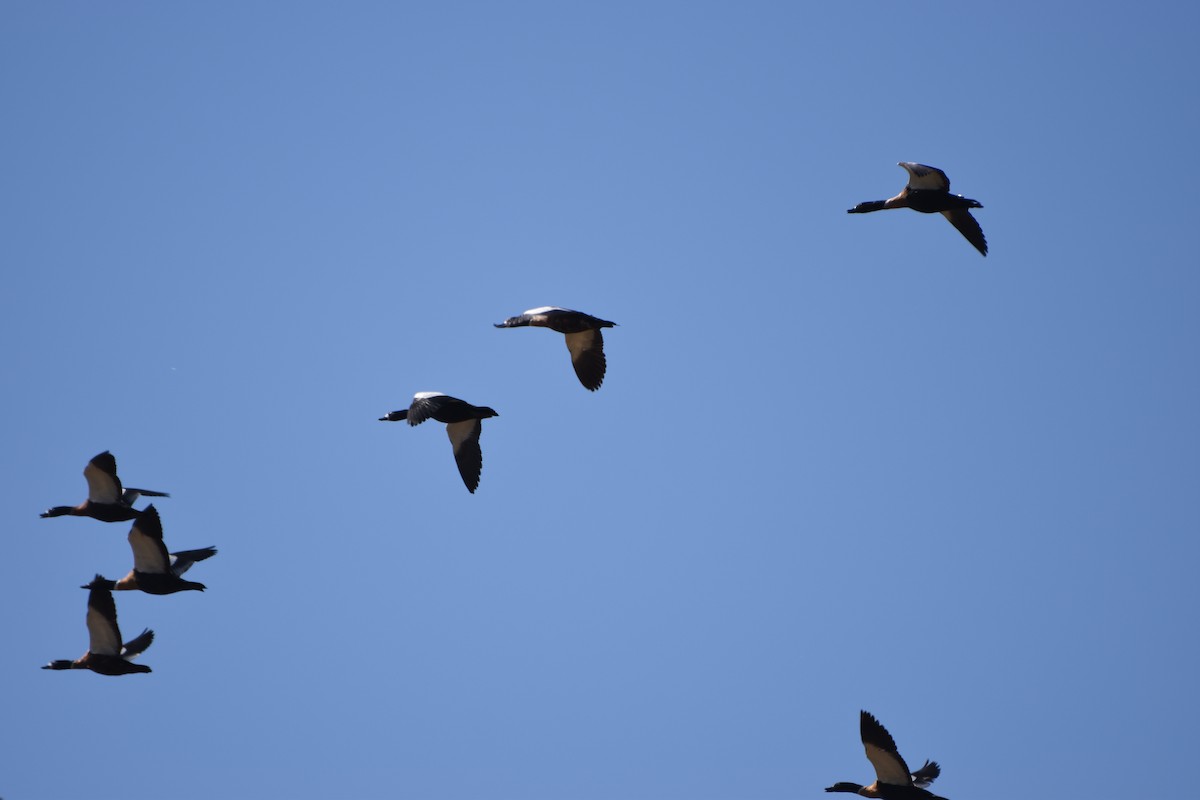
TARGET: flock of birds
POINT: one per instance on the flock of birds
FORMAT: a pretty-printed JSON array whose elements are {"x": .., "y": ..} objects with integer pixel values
[
  {"x": 156, "y": 571},
  {"x": 464, "y": 422},
  {"x": 927, "y": 191}
]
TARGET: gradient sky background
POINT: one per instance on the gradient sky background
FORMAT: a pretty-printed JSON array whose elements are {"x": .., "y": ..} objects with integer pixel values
[{"x": 838, "y": 462}]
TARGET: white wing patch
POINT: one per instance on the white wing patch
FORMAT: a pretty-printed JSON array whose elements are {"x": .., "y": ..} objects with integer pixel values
[
  {"x": 101, "y": 486},
  {"x": 104, "y": 638},
  {"x": 921, "y": 176},
  {"x": 149, "y": 554},
  {"x": 544, "y": 309},
  {"x": 888, "y": 768},
  {"x": 427, "y": 395},
  {"x": 580, "y": 342},
  {"x": 460, "y": 432}
]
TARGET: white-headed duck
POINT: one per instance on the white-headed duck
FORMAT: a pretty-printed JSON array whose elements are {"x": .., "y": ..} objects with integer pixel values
[
  {"x": 107, "y": 501},
  {"x": 106, "y": 655},
  {"x": 463, "y": 426},
  {"x": 584, "y": 339},
  {"x": 928, "y": 191},
  {"x": 155, "y": 571},
  {"x": 893, "y": 781}
]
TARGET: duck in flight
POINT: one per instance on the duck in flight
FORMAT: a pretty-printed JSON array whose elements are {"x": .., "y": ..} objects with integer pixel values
[
  {"x": 107, "y": 501},
  {"x": 584, "y": 339},
  {"x": 155, "y": 571},
  {"x": 893, "y": 781},
  {"x": 464, "y": 423},
  {"x": 106, "y": 655},
  {"x": 928, "y": 191}
]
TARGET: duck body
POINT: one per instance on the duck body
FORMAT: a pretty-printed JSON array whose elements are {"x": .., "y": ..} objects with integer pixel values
[
  {"x": 563, "y": 320},
  {"x": 108, "y": 500},
  {"x": 153, "y": 583},
  {"x": 105, "y": 512},
  {"x": 464, "y": 425},
  {"x": 928, "y": 191},
  {"x": 584, "y": 339},
  {"x": 106, "y": 655},
  {"x": 155, "y": 571},
  {"x": 930, "y": 202},
  {"x": 893, "y": 781},
  {"x": 885, "y": 791},
  {"x": 439, "y": 407},
  {"x": 100, "y": 664}
]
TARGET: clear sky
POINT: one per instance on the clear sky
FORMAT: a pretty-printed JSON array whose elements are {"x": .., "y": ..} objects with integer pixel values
[{"x": 839, "y": 462}]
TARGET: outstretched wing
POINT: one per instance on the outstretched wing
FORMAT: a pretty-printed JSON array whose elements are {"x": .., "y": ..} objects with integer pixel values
[
  {"x": 968, "y": 227},
  {"x": 882, "y": 752},
  {"x": 464, "y": 438},
  {"x": 182, "y": 560},
  {"x": 587, "y": 356},
  {"x": 426, "y": 404},
  {"x": 146, "y": 540},
  {"x": 103, "y": 484},
  {"x": 926, "y": 775},
  {"x": 137, "y": 644},
  {"x": 131, "y": 495},
  {"x": 104, "y": 637},
  {"x": 922, "y": 176}
]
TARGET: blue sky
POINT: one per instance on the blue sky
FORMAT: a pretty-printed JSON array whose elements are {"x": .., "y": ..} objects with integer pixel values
[{"x": 838, "y": 462}]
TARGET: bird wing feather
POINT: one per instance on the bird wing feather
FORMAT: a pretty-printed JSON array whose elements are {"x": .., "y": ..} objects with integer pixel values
[
  {"x": 587, "y": 357},
  {"x": 137, "y": 644},
  {"x": 103, "y": 484},
  {"x": 146, "y": 540},
  {"x": 882, "y": 753},
  {"x": 926, "y": 775},
  {"x": 425, "y": 405},
  {"x": 104, "y": 637},
  {"x": 464, "y": 438},
  {"x": 968, "y": 226},
  {"x": 922, "y": 176}
]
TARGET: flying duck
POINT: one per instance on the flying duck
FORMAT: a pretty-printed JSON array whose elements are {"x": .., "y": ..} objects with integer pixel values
[
  {"x": 463, "y": 426},
  {"x": 106, "y": 501},
  {"x": 106, "y": 655},
  {"x": 928, "y": 191},
  {"x": 584, "y": 339},
  {"x": 893, "y": 781},
  {"x": 154, "y": 570}
]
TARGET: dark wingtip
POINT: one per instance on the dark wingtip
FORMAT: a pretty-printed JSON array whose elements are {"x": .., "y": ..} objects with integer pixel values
[{"x": 99, "y": 582}]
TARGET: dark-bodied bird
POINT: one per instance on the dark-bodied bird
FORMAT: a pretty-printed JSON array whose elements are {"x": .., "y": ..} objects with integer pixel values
[
  {"x": 106, "y": 655},
  {"x": 928, "y": 191},
  {"x": 106, "y": 501},
  {"x": 463, "y": 426},
  {"x": 155, "y": 571},
  {"x": 584, "y": 339},
  {"x": 893, "y": 781}
]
